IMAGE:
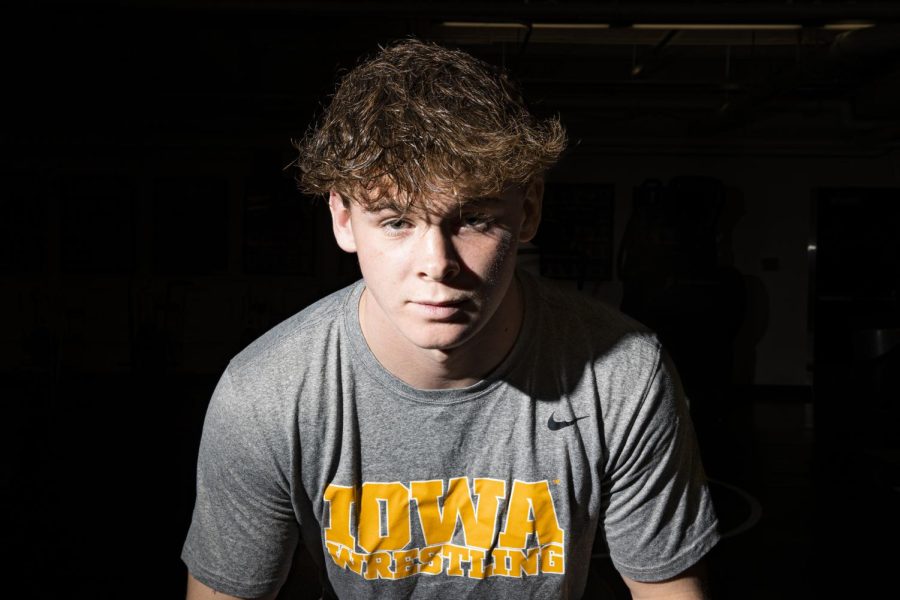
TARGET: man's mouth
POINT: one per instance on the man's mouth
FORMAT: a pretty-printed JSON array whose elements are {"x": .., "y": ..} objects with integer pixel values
[
  {"x": 439, "y": 309},
  {"x": 455, "y": 302}
]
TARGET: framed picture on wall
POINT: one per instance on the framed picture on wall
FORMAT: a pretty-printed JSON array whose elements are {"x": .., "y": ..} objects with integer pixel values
[
  {"x": 575, "y": 239},
  {"x": 23, "y": 228},
  {"x": 190, "y": 225},
  {"x": 97, "y": 225},
  {"x": 279, "y": 228}
]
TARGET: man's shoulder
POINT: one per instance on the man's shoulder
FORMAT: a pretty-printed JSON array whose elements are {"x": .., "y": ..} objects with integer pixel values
[
  {"x": 578, "y": 313},
  {"x": 581, "y": 330},
  {"x": 296, "y": 335}
]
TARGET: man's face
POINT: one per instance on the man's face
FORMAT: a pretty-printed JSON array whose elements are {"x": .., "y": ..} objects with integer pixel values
[{"x": 436, "y": 279}]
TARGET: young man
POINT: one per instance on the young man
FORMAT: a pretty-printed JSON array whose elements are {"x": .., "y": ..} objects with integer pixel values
[{"x": 447, "y": 427}]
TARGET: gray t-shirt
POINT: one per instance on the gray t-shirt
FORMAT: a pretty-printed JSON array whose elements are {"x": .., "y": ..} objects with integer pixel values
[{"x": 496, "y": 490}]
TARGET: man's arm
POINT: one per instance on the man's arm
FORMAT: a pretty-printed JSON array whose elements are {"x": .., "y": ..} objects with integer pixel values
[
  {"x": 688, "y": 585},
  {"x": 199, "y": 591}
]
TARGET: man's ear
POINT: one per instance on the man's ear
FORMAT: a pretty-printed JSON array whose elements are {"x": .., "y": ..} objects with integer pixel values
[
  {"x": 340, "y": 222},
  {"x": 531, "y": 217}
]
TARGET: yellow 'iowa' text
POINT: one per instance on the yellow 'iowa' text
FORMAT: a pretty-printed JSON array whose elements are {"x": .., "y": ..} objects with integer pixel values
[{"x": 378, "y": 543}]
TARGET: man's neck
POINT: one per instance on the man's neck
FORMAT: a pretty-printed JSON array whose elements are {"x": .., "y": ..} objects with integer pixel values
[{"x": 461, "y": 366}]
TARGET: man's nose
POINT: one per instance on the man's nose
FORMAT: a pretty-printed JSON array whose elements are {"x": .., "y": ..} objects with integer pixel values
[{"x": 438, "y": 260}]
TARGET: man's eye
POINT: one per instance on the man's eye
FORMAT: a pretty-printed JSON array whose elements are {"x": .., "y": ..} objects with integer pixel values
[
  {"x": 477, "y": 221},
  {"x": 395, "y": 225}
]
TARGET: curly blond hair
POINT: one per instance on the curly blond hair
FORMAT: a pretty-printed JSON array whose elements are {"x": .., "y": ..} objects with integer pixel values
[{"x": 419, "y": 119}]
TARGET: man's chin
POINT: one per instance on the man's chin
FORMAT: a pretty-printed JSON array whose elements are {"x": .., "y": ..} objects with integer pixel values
[{"x": 447, "y": 344}]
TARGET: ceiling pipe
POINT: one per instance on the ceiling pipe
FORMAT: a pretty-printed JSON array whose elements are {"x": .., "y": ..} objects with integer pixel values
[
  {"x": 855, "y": 55},
  {"x": 648, "y": 63},
  {"x": 854, "y": 49},
  {"x": 623, "y": 13}
]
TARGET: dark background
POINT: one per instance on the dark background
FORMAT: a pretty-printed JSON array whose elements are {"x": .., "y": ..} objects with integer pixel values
[{"x": 738, "y": 189}]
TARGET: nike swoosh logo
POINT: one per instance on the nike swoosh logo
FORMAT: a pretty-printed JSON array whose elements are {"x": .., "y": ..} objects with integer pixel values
[{"x": 554, "y": 425}]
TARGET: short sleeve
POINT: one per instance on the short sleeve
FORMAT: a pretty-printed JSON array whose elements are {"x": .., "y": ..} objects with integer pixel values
[
  {"x": 243, "y": 530},
  {"x": 657, "y": 518}
]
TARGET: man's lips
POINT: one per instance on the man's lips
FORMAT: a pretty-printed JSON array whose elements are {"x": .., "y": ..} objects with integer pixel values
[
  {"x": 440, "y": 309},
  {"x": 456, "y": 302}
]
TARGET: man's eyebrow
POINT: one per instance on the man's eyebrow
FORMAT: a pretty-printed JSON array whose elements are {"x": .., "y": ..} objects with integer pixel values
[
  {"x": 375, "y": 207},
  {"x": 404, "y": 209},
  {"x": 482, "y": 200},
  {"x": 386, "y": 212}
]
